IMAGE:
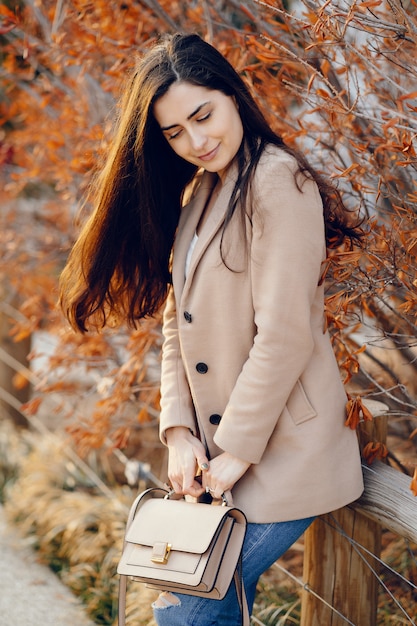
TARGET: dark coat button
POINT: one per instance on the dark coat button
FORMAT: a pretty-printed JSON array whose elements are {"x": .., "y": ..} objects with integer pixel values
[
  {"x": 201, "y": 368},
  {"x": 215, "y": 419},
  {"x": 188, "y": 317}
]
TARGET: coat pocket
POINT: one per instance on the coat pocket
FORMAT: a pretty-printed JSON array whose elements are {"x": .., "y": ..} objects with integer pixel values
[{"x": 299, "y": 406}]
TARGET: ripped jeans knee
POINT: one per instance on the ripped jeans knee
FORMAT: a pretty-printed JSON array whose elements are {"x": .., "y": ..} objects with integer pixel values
[
  {"x": 170, "y": 609},
  {"x": 166, "y": 610},
  {"x": 165, "y": 600}
]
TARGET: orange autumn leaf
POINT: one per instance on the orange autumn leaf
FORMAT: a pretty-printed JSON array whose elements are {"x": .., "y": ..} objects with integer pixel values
[
  {"x": 323, "y": 93},
  {"x": 353, "y": 418},
  {"x": 143, "y": 416},
  {"x": 347, "y": 171},
  {"x": 20, "y": 380},
  {"x": 325, "y": 67},
  {"x": 413, "y": 484},
  {"x": 31, "y": 407},
  {"x": 374, "y": 450},
  {"x": 6, "y": 12},
  {"x": 371, "y": 4},
  {"x": 120, "y": 437},
  {"x": 412, "y": 247},
  {"x": 366, "y": 308},
  {"x": 310, "y": 82},
  {"x": 6, "y": 27},
  {"x": 360, "y": 351},
  {"x": 366, "y": 413},
  {"x": 21, "y": 332},
  {"x": 408, "y": 96},
  {"x": 356, "y": 412},
  {"x": 8, "y": 20}
]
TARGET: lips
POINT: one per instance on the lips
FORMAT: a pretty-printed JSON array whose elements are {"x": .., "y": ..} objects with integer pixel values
[{"x": 209, "y": 155}]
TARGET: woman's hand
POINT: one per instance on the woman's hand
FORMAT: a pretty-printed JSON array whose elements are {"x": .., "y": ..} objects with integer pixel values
[
  {"x": 186, "y": 455},
  {"x": 224, "y": 471}
]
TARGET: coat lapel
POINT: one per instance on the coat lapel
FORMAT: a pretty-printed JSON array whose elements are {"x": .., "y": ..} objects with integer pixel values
[
  {"x": 190, "y": 216},
  {"x": 189, "y": 220}
]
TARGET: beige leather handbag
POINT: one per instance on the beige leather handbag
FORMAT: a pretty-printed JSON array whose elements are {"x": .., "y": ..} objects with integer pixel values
[{"x": 185, "y": 547}]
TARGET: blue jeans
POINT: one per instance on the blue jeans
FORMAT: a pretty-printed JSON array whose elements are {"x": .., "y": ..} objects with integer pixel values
[{"x": 263, "y": 545}]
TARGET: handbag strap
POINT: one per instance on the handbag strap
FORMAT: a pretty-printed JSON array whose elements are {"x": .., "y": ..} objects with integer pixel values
[
  {"x": 122, "y": 577},
  {"x": 240, "y": 592},
  {"x": 122, "y": 600}
]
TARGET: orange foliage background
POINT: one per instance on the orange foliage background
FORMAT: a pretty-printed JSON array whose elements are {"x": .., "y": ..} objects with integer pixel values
[{"x": 336, "y": 79}]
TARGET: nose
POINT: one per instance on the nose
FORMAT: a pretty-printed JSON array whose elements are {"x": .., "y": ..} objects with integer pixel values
[{"x": 198, "y": 140}]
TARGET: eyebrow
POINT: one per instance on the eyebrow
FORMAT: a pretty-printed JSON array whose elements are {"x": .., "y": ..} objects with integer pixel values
[{"x": 193, "y": 114}]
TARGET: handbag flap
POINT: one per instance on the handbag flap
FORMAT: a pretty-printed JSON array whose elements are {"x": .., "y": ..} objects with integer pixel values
[{"x": 186, "y": 526}]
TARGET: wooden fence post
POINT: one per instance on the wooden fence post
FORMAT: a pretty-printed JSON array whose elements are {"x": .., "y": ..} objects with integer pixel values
[{"x": 334, "y": 569}]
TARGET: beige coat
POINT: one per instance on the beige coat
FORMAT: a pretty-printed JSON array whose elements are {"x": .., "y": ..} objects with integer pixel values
[{"x": 246, "y": 352}]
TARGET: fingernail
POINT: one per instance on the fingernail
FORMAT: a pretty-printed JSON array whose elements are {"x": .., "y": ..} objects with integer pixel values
[{"x": 204, "y": 466}]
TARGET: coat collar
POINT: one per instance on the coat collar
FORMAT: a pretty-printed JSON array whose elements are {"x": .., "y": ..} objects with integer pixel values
[{"x": 190, "y": 217}]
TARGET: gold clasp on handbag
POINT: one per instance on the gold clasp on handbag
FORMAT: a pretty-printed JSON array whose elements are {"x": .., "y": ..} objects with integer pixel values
[{"x": 160, "y": 552}]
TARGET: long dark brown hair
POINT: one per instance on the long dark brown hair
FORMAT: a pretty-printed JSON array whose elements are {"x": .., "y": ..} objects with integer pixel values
[{"x": 118, "y": 268}]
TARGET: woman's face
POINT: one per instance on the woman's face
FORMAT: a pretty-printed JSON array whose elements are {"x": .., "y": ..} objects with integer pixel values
[{"x": 202, "y": 126}]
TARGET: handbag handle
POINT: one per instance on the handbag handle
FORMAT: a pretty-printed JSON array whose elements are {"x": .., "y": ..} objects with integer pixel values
[{"x": 225, "y": 501}]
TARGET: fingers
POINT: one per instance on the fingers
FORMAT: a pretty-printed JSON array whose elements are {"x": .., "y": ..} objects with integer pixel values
[
  {"x": 194, "y": 489},
  {"x": 186, "y": 459},
  {"x": 175, "y": 485},
  {"x": 215, "y": 493},
  {"x": 212, "y": 485},
  {"x": 185, "y": 482},
  {"x": 225, "y": 470}
]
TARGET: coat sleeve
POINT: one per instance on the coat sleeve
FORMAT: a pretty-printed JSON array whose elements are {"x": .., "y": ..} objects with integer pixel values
[
  {"x": 176, "y": 403},
  {"x": 287, "y": 250}
]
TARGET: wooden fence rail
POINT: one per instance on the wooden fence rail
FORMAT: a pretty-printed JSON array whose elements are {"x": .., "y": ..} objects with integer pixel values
[
  {"x": 388, "y": 500},
  {"x": 342, "y": 549}
]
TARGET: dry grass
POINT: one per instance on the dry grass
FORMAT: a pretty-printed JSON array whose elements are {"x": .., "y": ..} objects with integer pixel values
[
  {"x": 278, "y": 598},
  {"x": 13, "y": 448},
  {"x": 401, "y": 556},
  {"x": 75, "y": 530}
]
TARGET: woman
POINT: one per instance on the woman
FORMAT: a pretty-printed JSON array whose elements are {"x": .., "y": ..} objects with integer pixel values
[{"x": 250, "y": 389}]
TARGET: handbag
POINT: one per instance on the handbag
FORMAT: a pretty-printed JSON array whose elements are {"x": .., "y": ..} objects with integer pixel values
[{"x": 180, "y": 546}]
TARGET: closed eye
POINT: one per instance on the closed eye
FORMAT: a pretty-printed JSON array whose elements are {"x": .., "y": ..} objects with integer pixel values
[
  {"x": 204, "y": 118},
  {"x": 175, "y": 134}
]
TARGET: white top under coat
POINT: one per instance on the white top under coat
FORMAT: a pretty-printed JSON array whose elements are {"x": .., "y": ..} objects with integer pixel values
[{"x": 190, "y": 254}]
